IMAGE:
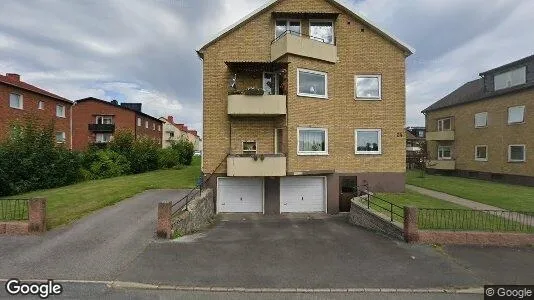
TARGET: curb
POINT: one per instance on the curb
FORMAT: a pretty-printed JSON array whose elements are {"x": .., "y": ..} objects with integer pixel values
[{"x": 145, "y": 286}]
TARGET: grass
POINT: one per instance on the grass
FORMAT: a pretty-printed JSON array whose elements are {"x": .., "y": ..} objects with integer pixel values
[
  {"x": 506, "y": 196},
  {"x": 67, "y": 204}
]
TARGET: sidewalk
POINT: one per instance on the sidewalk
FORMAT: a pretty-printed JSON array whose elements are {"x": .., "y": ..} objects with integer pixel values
[{"x": 524, "y": 219}]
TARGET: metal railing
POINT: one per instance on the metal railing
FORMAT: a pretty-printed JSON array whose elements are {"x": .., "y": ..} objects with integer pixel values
[
  {"x": 475, "y": 220},
  {"x": 14, "y": 209},
  {"x": 392, "y": 210},
  {"x": 311, "y": 37}
]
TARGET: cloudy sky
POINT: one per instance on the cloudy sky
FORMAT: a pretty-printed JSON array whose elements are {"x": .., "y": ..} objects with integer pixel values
[{"x": 143, "y": 50}]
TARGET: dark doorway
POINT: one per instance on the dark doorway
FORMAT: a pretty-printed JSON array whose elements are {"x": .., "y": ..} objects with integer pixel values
[{"x": 347, "y": 188}]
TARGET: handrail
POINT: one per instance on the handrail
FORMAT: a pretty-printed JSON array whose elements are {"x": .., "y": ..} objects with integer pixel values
[
  {"x": 315, "y": 38},
  {"x": 369, "y": 201}
]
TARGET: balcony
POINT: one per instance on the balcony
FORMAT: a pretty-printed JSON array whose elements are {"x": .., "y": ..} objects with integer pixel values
[
  {"x": 102, "y": 128},
  {"x": 303, "y": 46},
  {"x": 442, "y": 164},
  {"x": 440, "y": 136},
  {"x": 256, "y": 166},
  {"x": 266, "y": 105}
]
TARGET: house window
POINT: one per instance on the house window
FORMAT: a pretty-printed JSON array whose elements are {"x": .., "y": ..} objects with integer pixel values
[
  {"x": 60, "y": 111},
  {"x": 312, "y": 84},
  {"x": 15, "y": 101},
  {"x": 159, "y": 127},
  {"x": 171, "y": 135},
  {"x": 516, "y": 114},
  {"x": 510, "y": 78},
  {"x": 146, "y": 124},
  {"x": 322, "y": 31},
  {"x": 516, "y": 153},
  {"x": 445, "y": 124},
  {"x": 41, "y": 105},
  {"x": 420, "y": 133},
  {"x": 138, "y": 122},
  {"x": 104, "y": 120},
  {"x": 312, "y": 141},
  {"x": 368, "y": 87},
  {"x": 154, "y": 126},
  {"x": 481, "y": 120},
  {"x": 103, "y": 138},
  {"x": 60, "y": 137},
  {"x": 249, "y": 147},
  {"x": 289, "y": 26},
  {"x": 368, "y": 141},
  {"x": 444, "y": 152},
  {"x": 481, "y": 153}
]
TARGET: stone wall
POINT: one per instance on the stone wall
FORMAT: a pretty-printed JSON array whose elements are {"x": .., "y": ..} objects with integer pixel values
[
  {"x": 361, "y": 216},
  {"x": 199, "y": 214}
]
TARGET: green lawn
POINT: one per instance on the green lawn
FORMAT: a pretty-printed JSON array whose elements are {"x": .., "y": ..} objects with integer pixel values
[
  {"x": 506, "y": 196},
  {"x": 70, "y": 203}
]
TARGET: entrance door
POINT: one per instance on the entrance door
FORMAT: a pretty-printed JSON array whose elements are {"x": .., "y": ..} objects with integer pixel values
[
  {"x": 347, "y": 187},
  {"x": 270, "y": 83}
]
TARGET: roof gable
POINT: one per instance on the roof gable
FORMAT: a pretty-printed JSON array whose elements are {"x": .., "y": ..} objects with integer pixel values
[
  {"x": 402, "y": 45},
  {"x": 28, "y": 87}
]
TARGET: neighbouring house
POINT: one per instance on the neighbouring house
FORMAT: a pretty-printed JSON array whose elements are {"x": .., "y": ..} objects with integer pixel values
[
  {"x": 485, "y": 128},
  {"x": 415, "y": 144},
  {"x": 174, "y": 132},
  {"x": 21, "y": 101},
  {"x": 302, "y": 101},
  {"x": 96, "y": 121}
]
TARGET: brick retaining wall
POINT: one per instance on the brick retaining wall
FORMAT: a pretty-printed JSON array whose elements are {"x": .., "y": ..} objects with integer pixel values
[{"x": 36, "y": 222}]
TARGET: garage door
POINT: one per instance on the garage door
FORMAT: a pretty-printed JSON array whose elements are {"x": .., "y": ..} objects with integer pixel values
[
  {"x": 302, "y": 194},
  {"x": 240, "y": 195}
]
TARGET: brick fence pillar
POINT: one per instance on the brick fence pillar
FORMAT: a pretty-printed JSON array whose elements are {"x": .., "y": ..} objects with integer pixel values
[
  {"x": 164, "y": 229},
  {"x": 411, "y": 232},
  {"x": 37, "y": 215}
]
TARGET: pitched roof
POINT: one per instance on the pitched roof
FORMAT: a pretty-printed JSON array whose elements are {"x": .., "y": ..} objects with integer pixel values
[
  {"x": 26, "y": 86},
  {"x": 118, "y": 106},
  {"x": 180, "y": 127},
  {"x": 404, "y": 46}
]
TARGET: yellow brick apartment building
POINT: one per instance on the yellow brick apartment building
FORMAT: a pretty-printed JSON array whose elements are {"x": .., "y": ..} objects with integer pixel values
[
  {"x": 485, "y": 128},
  {"x": 302, "y": 101}
]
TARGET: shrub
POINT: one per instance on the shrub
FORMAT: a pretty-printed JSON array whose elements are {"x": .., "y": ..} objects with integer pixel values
[
  {"x": 144, "y": 156},
  {"x": 107, "y": 163},
  {"x": 185, "y": 151},
  {"x": 168, "y": 158}
]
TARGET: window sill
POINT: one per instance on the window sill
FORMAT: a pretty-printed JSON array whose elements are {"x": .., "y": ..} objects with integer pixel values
[
  {"x": 368, "y": 153},
  {"x": 516, "y": 161},
  {"x": 516, "y": 123},
  {"x": 480, "y": 127},
  {"x": 312, "y": 154},
  {"x": 19, "y": 108},
  {"x": 61, "y": 117},
  {"x": 481, "y": 159},
  {"x": 313, "y": 96},
  {"x": 368, "y": 99}
]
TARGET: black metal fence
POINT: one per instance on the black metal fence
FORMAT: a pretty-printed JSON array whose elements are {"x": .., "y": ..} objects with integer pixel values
[
  {"x": 475, "y": 220},
  {"x": 14, "y": 209},
  {"x": 393, "y": 211}
]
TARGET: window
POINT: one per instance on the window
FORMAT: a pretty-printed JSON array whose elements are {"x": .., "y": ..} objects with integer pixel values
[
  {"x": 159, "y": 127},
  {"x": 103, "y": 137},
  {"x": 104, "y": 120},
  {"x": 368, "y": 87},
  {"x": 290, "y": 26},
  {"x": 249, "y": 147},
  {"x": 312, "y": 141},
  {"x": 420, "y": 133},
  {"x": 139, "y": 122},
  {"x": 510, "y": 78},
  {"x": 41, "y": 105},
  {"x": 444, "y": 124},
  {"x": 516, "y": 114},
  {"x": 15, "y": 101},
  {"x": 322, "y": 30},
  {"x": 481, "y": 153},
  {"x": 481, "y": 120},
  {"x": 60, "y": 137},
  {"x": 146, "y": 124},
  {"x": 171, "y": 135},
  {"x": 444, "y": 152},
  {"x": 368, "y": 141},
  {"x": 154, "y": 126},
  {"x": 60, "y": 111},
  {"x": 312, "y": 84},
  {"x": 516, "y": 153}
]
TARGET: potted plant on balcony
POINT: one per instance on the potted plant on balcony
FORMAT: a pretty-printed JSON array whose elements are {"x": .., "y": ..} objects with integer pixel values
[{"x": 252, "y": 91}]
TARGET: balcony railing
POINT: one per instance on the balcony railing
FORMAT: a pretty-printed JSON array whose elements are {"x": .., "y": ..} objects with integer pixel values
[
  {"x": 258, "y": 165},
  {"x": 447, "y": 135},
  {"x": 103, "y": 128},
  {"x": 266, "y": 105},
  {"x": 304, "y": 45},
  {"x": 448, "y": 164}
]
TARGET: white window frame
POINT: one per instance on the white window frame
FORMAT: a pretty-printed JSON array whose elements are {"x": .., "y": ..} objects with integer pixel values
[
  {"x": 159, "y": 127},
  {"x": 153, "y": 126},
  {"x": 63, "y": 136},
  {"x": 146, "y": 124},
  {"x": 103, "y": 134},
  {"x": 523, "y": 69},
  {"x": 322, "y": 20},
  {"x": 287, "y": 26},
  {"x": 139, "y": 122},
  {"x": 481, "y": 114},
  {"x": 104, "y": 117},
  {"x": 476, "y": 152},
  {"x": 440, "y": 127},
  {"x": 249, "y": 151},
  {"x": 21, "y": 101},
  {"x": 325, "y": 96},
  {"x": 379, "y": 152},
  {"x": 378, "y": 76},
  {"x": 443, "y": 157},
  {"x": 311, "y": 153},
  {"x": 523, "y": 119},
  {"x": 510, "y": 153},
  {"x": 41, "y": 105},
  {"x": 63, "y": 115}
]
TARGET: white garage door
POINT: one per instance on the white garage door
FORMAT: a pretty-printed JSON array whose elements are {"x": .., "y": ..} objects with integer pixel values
[
  {"x": 302, "y": 194},
  {"x": 240, "y": 195}
]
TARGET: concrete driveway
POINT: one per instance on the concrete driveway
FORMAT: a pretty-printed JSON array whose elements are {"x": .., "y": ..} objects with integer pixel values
[{"x": 97, "y": 247}]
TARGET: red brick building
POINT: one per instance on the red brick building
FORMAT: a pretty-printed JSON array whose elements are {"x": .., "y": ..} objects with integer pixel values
[
  {"x": 96, "y": 120},
  {"x": 20, "y": 101}
]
